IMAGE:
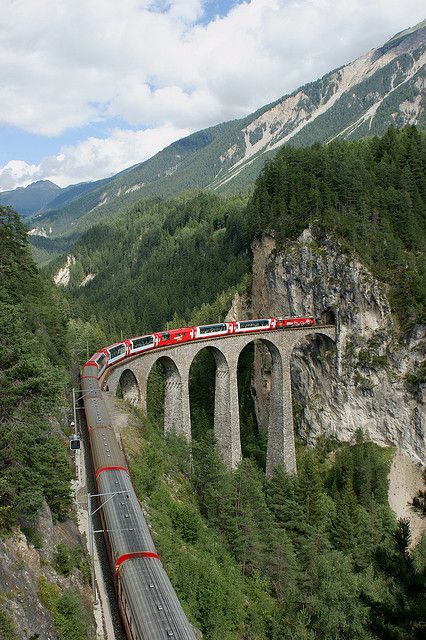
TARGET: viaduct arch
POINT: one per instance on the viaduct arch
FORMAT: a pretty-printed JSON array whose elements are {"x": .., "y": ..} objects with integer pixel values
[{"x": 133, "y": 376}]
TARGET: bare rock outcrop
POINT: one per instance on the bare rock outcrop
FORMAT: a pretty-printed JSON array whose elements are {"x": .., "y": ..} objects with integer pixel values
[
  {"x": 362, "y": 381},
  {"x": 24, "y": 567}
]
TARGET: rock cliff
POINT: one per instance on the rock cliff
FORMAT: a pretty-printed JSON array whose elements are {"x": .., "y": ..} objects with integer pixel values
[
  {"x": 362, "y": 381},
  {"x": 31, "y": 582}
]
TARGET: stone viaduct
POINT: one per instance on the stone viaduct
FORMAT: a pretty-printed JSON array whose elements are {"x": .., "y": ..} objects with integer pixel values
[{"x": 133, "y": 373}]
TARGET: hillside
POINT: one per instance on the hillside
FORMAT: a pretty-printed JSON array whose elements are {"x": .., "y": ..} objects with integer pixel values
[
  {"x": 383, "y": 87},
  {"x": 39, "y": 544},
  {"x": 369, "y": 194}
]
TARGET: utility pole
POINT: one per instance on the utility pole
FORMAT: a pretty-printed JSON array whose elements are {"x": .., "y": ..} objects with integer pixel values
[
  {"x": 91, "y": 545},
  {"x": 91, "y": 531}
]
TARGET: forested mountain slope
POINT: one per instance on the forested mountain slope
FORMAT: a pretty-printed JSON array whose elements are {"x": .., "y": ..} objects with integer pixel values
[
  {"x": 383, "y": 87},
  {"x": 161, "y": 261},
  {"x": 169, "y": 257},
  {"x": 39, "y": 545},
  {"x": 33, "y": 358}
]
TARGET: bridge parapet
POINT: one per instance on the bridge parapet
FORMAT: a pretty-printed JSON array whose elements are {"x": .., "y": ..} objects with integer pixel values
[{"x": 177, "y": 362}]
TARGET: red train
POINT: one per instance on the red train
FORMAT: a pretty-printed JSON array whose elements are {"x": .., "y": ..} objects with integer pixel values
[{"x": 126, "y": 348}]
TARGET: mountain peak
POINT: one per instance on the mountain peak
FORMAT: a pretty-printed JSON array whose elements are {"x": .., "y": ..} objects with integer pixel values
[
  {"x": 27, "y": 200},
  {"x": 43, "y": 183},
  {"x": 408, "y": 31}
]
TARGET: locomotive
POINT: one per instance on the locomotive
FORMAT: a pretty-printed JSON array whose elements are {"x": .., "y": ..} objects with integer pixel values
[{"x": 133, "y": 346}]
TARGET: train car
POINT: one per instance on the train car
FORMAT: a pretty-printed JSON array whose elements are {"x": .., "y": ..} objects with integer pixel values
[
  {"x": 142, "y": 343},
  {"x": 116, "y": 352},
  {"x": 213, "y": 330},
  {"x": 147, "y": 601},
  {"x": 172, "y": 337},
  {"x": 260, "y": 324},
  {"x": 96, "y": 365}
]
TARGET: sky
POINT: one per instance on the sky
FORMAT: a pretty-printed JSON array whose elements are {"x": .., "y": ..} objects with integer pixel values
[{"x": 90, "y": 87}]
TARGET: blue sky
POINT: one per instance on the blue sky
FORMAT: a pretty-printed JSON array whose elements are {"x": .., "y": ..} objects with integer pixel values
[{"x": 89, "y": 88}]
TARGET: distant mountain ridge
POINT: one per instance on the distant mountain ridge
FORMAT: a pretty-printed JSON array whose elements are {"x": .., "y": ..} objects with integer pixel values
[
  {"x": 383, "y": 87},
  {"x": 27, "y": 200}
]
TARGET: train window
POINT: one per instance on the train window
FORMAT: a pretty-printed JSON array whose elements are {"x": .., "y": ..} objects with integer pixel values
[
  {"x": 142, "y": 342},
  {"x": 165, "y": 336},
  {"x": 249, "y": 324},
  {"x": 101, "y": 361},
  {"x": 116, "y": 352},
  {"x": 212, "y": 328}
]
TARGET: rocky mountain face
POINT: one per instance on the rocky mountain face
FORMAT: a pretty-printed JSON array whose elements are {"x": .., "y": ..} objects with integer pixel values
[
  {"x": 383, "y": 87},
  {"x": 363, "y": 382},
  {"x": 30, "y": 581}
]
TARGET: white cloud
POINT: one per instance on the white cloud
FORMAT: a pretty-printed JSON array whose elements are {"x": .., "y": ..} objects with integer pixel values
[
  {"x": 92, "y": 159},
  {"x": 148, "y": 62},
  {"x": 17, "y": 173}
]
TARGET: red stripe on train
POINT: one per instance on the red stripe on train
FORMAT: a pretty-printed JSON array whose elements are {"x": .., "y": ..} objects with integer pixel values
[
  {"x": 135, "y": 554},
  {"x": 111, "y": 469}
]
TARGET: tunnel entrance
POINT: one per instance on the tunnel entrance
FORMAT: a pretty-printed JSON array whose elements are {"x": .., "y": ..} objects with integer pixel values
[{"x": 328, "y": 316}]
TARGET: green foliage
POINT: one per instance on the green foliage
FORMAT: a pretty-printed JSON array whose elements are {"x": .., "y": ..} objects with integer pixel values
[
  {"x": 418, "y": 377},
  {"x": 314, "y": 556},
  {"x": 33, "y": 460},
  {"x": 370, "y": 194},
  {"x": 72, "y": 619},
  {"x": 33, "y": 536},
  {"x": 7, "y": 628},
  {"x": 63, "y": 559},
  {"x": 419, "y": 501},
  {"x": 159, "y": 263}
]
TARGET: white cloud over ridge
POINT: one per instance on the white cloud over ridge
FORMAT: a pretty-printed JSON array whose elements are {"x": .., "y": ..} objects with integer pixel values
[
  {"x": 151, "y": 64},
  {"x": 91, "y": 159}
]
